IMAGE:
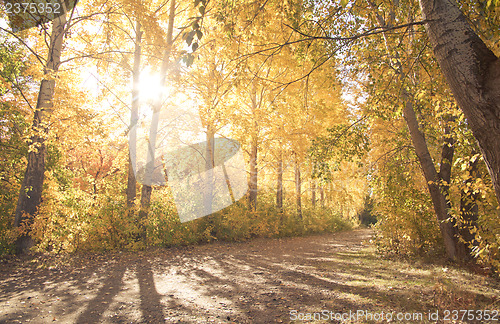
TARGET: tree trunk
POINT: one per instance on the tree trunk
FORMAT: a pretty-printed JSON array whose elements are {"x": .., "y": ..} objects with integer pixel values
[
  {"x": 298, "y": 188},
  {"x": 313, "y": 193},
  {"x": 209, "y": 170},
  {"x": 439, "y": 201},
  {"x": 447, "y": 156},
  {"x": 30, "y": 195},
  {"x": 151, "y": 161},
  {"x": 279, "y": 185},
  {"x": 444, "y": 174},
  {"x": 469, "y": 211},
  {"x": 134, "y": 117},
  {"x": 322, "y": 196},
  {"x": 472, "y": 72},
  {"x": 252, "y": 186}
]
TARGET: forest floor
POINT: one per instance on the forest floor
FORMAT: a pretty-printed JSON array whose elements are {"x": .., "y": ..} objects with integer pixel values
[{"x": 313, "y": 278}]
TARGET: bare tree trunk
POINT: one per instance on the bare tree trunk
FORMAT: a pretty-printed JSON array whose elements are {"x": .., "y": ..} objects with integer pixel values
[
  {"x": 150, "y": 162},
  {"x": 279, "y": 185},
  {"x": 209, "y": 167},
  {"x": 298, "y": 188},
  {"x": 252, "y": 186},
  {"x": 313, "y": 193},
  {"x": 439, "y": 201},
  {"x": 473, "y": 73},
  {"x": 30, "y": 195},
  {"x": 134, "y": 117}
]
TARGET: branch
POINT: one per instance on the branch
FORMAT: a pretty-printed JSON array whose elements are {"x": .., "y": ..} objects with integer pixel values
[
  {"x": 310, "y": 38},
  {"x": 38, "y": 57},
  {"x": 393, "y": 151}
]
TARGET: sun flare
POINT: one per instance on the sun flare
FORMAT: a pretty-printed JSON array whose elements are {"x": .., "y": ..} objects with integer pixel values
[{"x": 150, "y": 87}]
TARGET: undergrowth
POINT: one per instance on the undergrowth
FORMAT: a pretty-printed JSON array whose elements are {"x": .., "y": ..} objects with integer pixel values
[{"x": 77, "y": 221}]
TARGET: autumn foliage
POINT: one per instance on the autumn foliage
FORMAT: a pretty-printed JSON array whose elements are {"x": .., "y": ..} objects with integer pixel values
[{"x": 319, "y": 95}]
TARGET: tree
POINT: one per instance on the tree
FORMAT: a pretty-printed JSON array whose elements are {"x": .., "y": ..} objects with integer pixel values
[
  {"x": 326, "y": 26},
  {"x": 147, "y": 187},
  {"x": 134, "y": 115},
  {"x": 30, "y": 195},
  {"x": 14, "y": 123},
  {"x": 472, "y": 72},
  {"x": 437, "y": 182},
  {"x": 212, "y": 79}
]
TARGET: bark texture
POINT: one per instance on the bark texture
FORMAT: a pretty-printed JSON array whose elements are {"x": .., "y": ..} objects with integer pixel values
[
  {"x": 30, "y": 195},
  {"x": 472, "y": 72}
]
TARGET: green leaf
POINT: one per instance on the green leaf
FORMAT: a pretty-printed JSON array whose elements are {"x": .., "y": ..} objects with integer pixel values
[
  {"x": 202, "y": 10},
  {"x": 189, "y": 59},
  {"x": 189, "y": 38},
  {"x": 195, "y": 46},
  {"x": 199, "y": 34}
]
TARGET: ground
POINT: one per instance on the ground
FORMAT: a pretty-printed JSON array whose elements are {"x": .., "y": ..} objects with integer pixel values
[{"x": 261, "y": 281}]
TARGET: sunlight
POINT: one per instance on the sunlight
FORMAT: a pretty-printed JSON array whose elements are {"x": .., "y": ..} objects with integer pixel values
[{"x": 150, "y": 87}]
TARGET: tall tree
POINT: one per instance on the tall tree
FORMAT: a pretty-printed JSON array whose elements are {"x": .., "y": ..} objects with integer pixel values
[
  {"x": 434, "y": 179},
  {"x": 438, "y": 192},
  {"x": 30, "y": 195},
  {"x": 472, "y": 71},
  {"x": 134, "y": 116},
  {"x": 256, "y": 103},
  {"x": 147, "y": 187},
  {"x": 212, "y": 79}
]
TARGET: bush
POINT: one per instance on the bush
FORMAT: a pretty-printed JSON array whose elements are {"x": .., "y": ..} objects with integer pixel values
[{"x": 74, "y": 220}]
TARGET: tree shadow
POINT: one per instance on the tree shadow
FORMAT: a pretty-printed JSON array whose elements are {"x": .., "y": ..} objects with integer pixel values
[
  {"x": 151, "y": 306},
  {"x": 105, "y": 294}
]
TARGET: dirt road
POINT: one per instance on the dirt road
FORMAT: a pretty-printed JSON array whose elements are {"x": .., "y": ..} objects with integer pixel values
[{"x": 261, "y": 281}]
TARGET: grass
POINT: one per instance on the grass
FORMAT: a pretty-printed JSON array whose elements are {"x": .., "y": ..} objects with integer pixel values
[{"x": 378, "y": 284}]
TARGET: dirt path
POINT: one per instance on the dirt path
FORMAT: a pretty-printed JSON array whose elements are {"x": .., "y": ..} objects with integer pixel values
[{"x": 262, "y": 281}]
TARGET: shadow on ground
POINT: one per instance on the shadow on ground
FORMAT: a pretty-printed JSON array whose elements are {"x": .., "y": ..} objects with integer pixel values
[{"x": 262, "y": 281}]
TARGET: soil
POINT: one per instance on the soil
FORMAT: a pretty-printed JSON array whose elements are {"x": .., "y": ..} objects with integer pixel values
[{"x": 259, "y": 281}]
